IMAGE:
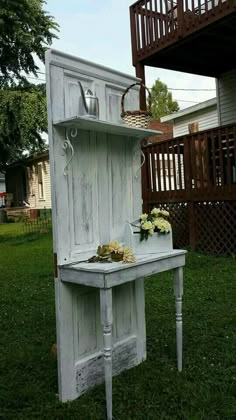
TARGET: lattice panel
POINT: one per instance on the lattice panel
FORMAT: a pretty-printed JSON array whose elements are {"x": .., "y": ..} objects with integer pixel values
[
  {"x": 179, "y": 222},
  {"x": 215, "y": 227}
]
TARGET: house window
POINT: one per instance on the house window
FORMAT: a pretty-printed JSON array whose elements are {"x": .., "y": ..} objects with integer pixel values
[{"x": 40, "y": 181}]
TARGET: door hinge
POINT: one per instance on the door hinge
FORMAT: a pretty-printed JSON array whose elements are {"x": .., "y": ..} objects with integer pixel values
[{"x": 55, "y": 265}]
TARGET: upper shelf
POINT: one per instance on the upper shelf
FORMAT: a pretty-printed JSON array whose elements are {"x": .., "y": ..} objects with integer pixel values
[{"x": 89, "y": 124}]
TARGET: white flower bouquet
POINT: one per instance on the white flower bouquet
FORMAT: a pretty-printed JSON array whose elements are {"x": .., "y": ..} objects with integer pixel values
[
  {"x": 156, "y": 221},
  {"x": 149, "y": 234}
]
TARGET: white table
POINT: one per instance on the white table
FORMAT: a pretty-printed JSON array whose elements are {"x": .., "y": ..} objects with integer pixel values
[{"x": 108, "y": 275}]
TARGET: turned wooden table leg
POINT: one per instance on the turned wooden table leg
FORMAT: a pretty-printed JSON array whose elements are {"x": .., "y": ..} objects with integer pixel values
[
  {"x": 106, "y": 320},
  {"x": 178, "y": 289}
]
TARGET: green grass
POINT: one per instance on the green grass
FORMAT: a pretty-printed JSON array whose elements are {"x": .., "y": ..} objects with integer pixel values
[{"x": 206, "y": 389}]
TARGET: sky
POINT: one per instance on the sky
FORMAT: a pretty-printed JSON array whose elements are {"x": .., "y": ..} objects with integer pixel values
[{"x": 99, "y": 31}]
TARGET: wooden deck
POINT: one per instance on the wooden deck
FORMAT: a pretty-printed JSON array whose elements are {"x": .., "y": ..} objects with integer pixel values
[
  {"x": 165, "y": 33},
  {"x": 194, "y": 176}
]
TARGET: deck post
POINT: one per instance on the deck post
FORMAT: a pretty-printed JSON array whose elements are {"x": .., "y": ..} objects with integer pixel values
[{"x": 140, "y": 72}]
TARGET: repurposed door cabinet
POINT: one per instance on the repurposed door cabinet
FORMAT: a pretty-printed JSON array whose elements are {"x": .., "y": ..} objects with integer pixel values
[{"x": 96, "y": 189}]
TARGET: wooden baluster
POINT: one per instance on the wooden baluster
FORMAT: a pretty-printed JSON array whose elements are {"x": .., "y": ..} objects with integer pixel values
[
  {"x": 134, "y": 34},
  {"x": 138, "y": 28},
  {"x": 234, "y": 146},
  {"x": 213, "y": 156},
  {"x": 206, "y": 160},
  {"x": 187, "y": 167},
  {"x": 151, "y": 24},
  {"x": 163, "y": 166},
  {"x": 166, "y": 19},
  {"x": 174, "y": 166},
  {"x": 193, "y": 160},
  {"x": 144, "y": 178},
  {"x": 178, "y": 289},
  {"x": 228, "y": 167},
  {"x": 143, "y": 28},
  {"x": 193, "y": 6},
  {"x": 106, "y": 321},
  {"x": 179, "y": 167},
  {"x": 199, "y": 12},
  {"x": 180, "y": 15},
  {"x": 158, "y": 168},
  {"x": 220, "y": 139},
  {"x": 146, "y": 23},
  {"x": 200, "y": 160},
  {"x": 152, "y": 156},
  {"x": 168, "y": 165},
  {"x": 160, "y": 19}
]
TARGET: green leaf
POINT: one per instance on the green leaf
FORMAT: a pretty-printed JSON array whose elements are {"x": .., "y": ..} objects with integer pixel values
[
  {"x": 26, "y": 30},
  {"x": 23, "y": 119},
  {"x": 162, "y": 101}
]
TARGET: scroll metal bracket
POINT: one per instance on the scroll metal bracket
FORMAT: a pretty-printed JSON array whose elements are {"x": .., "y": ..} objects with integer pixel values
[
  {"x": 67, "y": 146},
  {"x": 139, "y": 169}
]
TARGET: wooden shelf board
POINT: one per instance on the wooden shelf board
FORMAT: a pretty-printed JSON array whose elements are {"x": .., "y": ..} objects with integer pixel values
[{"x": 89, "y": 124}]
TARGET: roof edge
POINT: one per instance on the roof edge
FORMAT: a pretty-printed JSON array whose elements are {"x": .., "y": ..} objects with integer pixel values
[{"x": 190, "y": 110}]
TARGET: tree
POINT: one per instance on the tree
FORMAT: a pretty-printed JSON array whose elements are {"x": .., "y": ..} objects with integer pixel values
[
  {"x": 23, "y": 118},
  {"x": 25, "y": 32},
  {"x": 162, "y": 101},
  {"x": 25, "y": 29}
]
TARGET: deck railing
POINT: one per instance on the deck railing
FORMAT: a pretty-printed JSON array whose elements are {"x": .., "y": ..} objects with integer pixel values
[
  {"x": 156, "y": 22},
  {"x": 195, "y": 166},
  {"x": 194, "y": 177}
]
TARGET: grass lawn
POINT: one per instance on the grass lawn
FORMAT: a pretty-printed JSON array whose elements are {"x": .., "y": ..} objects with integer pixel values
[{"x": 206, "y": 389}]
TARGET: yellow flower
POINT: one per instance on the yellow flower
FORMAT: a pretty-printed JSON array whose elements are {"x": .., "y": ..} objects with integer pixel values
[
  {"x": 157, "y": 222},
  {"x": 146, "y": 226},
  {"x": 162, "y": 225},
  {"x": 155, "y": 212},
  {"x": 116, "y": 247},
  {"x": 165, "y": 213},
  {"x": 143, "y": 217},
  {"x": 128, "y": 256}
]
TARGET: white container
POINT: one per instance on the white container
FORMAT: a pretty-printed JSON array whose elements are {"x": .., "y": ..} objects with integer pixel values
[{"x": 156, "y": 243}]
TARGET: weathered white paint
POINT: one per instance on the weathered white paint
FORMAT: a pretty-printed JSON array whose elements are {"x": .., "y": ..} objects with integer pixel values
[
  {"x": 178, "y": 289},
  {"x": 106, "y": 277},
  {"x": 156, "y": 243},
  {"x": 114, "y": 274},
  {"x": 107, "y": 321},
  {"x": 101, "y": 191},
  {"x": 101, "y": 173},
  {"x": 226, "y": 92}
]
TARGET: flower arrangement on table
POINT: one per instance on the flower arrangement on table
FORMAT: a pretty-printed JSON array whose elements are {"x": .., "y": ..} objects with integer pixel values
[
  {"x": 113, "y": 252},
  {"x": 155, "y": 221}
]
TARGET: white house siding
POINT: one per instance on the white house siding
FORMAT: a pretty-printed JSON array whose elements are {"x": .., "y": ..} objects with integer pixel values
[
  {"x": 34, "y": 199},
  {"x": 206, "y": 118},
  {"x": 226, "y": 90}
]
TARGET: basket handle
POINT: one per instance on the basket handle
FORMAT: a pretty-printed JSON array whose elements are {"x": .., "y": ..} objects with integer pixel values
[{"x": 127, "y": 90}]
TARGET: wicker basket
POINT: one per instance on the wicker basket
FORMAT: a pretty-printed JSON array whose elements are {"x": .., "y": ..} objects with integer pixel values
[{"x": 139, "y": 119}]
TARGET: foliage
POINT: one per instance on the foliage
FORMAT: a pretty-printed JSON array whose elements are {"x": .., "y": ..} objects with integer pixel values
[
  {"x": 23, "y": 117},
  {"x": 153, "y": 390},
  {"x": 162, "y": 101},
  {"x": 25, "y": 29}
]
